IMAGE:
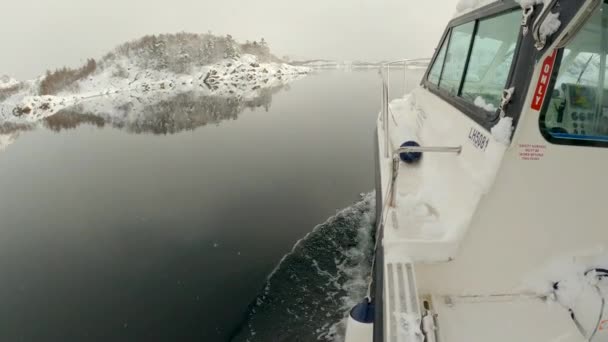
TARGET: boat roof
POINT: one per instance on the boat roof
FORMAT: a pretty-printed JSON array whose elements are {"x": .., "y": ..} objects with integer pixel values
[
  {"x": 467, "y": 6},
  {"x": 480, "y": 9}
]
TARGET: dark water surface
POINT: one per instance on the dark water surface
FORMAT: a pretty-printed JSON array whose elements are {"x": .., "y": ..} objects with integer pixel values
[{"x": 120, "y": 234}]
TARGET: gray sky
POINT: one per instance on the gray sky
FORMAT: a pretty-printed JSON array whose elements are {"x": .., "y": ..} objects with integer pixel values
[{"x": 39, "y": 34}]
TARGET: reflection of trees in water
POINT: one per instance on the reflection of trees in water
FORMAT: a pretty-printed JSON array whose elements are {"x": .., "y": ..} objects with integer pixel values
[
  {"x": 9, "y": 132},
  {"x": 185, "y": 111},
  {"x": 11, "y": 128},
  {"x": 70, "y": 119}
]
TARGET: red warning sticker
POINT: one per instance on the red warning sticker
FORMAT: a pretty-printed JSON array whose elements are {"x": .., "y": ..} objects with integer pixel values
[
  {"x": 532, "y": 151},
  {"x": 543, "y": 81}
]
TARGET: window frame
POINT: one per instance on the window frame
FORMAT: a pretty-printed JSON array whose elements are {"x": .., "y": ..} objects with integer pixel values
[
  {"x": 445, "y": 39},
  {"x": 479, "y": 23},
  {"x": 479, "y": 115},
  {"x": 466, "y": 60},
  {"x": 544, "y": 131}
]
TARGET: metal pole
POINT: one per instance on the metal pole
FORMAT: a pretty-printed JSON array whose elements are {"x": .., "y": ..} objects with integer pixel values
[
  {"x": 404, "y": 77},
  {"x": 388, "y": 98},
  {"x": 395, "y": 174},
  {"x": 434, "y": 149}
]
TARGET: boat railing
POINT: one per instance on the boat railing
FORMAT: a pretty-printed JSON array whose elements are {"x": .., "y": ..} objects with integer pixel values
[
  {"x": 390, "y": 199},
  {"x": 385, "y": 71}
]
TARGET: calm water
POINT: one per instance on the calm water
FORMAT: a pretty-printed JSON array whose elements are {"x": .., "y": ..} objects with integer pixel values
[{"x": 122, "y": 234}]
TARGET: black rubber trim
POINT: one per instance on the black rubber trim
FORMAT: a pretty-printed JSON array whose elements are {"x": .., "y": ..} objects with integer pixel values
[
  {"x": 468, "y": 59},
  {"x": 377, "y": 285},
  {"x": 378, "y": 295},
  {"x": 378, "y": 176}
]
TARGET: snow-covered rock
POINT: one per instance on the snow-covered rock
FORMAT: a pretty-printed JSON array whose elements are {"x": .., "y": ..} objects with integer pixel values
[
  {"x": 123, "y": 84},
  {"x": 7, "y": 82}
]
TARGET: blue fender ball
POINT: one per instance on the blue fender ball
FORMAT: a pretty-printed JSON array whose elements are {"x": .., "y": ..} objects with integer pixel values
[
  {"x": 410, "y": 157},
  {"x": 363, "y": 312}
]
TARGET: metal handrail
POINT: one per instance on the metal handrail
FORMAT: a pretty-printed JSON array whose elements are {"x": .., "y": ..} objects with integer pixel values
[
  {"x": 408, "y": 61},
  {"x": 416, "y": 149},
  {"x": 385, "y": 72}
]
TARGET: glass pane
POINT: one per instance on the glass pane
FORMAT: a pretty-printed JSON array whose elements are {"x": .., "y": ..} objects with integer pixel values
[
  {"x": 456, "y": 57},
  {"x": 436, "y": 69},
  {"x": 491, "y": 60},
  {"x": 578, "y": 105}
]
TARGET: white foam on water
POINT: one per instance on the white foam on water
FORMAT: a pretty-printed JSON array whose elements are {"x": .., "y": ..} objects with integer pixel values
[
  {"x": 357, "y": 270},
  {"x": 312, "y": 289}
]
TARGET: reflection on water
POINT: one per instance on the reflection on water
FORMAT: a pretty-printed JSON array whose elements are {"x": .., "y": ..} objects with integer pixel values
[
  {"x": 72, "y": 118},
  {"x": 9, "y": 132},
  {"x": 182, "y": 112}
]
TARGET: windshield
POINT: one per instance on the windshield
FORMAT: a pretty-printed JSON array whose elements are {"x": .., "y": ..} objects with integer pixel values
[{"x": 578, "y": 107}]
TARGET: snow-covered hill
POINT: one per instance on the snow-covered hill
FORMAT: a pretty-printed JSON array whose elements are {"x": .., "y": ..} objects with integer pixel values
[{"x": 123, "y": 89}]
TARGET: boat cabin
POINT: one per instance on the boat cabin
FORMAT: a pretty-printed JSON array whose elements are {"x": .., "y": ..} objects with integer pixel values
[{"x": 491, "y": 184}]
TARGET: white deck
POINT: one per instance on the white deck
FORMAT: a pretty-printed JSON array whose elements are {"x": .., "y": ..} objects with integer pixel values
[{"x": 503, "y": 319}]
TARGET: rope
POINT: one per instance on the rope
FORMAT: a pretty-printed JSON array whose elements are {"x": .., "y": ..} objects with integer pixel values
[{"x": 600, "y": 273}]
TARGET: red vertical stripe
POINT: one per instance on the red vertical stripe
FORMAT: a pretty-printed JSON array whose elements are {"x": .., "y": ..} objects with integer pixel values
[{"x": 543, "y": 81}]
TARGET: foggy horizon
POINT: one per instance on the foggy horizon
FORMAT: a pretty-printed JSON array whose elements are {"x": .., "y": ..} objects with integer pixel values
[{"x": 73, "y": 31}]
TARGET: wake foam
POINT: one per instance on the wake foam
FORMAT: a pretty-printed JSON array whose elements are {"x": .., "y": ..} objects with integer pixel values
[{"x": 308, "y": 295}]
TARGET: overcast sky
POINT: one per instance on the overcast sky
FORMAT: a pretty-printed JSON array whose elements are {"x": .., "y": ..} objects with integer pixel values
[{"x": 39, "y": 34}]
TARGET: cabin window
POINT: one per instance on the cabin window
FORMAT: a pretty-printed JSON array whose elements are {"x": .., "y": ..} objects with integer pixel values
[
  {"x": 491, "y": 58},
  {"x": 456, "y": 57},
  {"x": 475, "y": 62},
  {"x": 577, "y": 107},
  {"x": 438, "y": 65}
]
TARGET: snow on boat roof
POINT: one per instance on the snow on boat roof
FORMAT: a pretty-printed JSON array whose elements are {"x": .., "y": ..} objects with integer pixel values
[{"x": 466, "y": 6}]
